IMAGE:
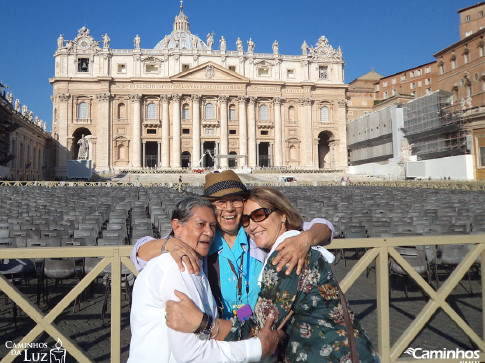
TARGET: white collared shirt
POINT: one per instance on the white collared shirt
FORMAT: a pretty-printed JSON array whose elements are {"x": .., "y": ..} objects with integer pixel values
[{"x": 153, "y": 341}]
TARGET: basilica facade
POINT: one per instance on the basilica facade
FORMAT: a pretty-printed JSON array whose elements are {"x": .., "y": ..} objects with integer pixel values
[{"x": 189, "y": 103}]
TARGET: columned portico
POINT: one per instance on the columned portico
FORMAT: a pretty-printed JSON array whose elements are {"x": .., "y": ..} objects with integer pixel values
[
  {"x": 176, "y": 142},
  {"x": 135, "y": 151},
  {"x": 268, "y": 110}
]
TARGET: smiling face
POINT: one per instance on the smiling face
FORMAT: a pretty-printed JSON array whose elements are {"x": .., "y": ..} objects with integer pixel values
[
  {"x": 198, "y": 231},
  {"x": 229, "y": 212},
  {"x": 264, "y": 233}
]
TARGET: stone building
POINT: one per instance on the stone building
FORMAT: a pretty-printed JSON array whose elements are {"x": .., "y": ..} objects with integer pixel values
[
  {"x": 185, "y": 103},
  {"x": 361, "y": 95},
  {"x": 26, "y": 149}
]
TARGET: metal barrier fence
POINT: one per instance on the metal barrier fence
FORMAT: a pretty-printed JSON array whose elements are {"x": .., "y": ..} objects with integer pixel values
[
  {"x": 378, "y": 249},
  {"x": 434, "y": 184}
]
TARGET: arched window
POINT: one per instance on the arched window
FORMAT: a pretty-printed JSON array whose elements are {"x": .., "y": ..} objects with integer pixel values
[
  {"x": 185, "y": 112},
  {"x": 151, "y": 111},
  {"x": 209, "y": 111},
  {"x": 263, "y": 113},
  {"x": 82, "y": 111},
  {"x": 121, "y": 111},
  {"x": 291, "y": 113},
  {"x": 324, "y": 114},
  {"x": 232, "y": 113}
]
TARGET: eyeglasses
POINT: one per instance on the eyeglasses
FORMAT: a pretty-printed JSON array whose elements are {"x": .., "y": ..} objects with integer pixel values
[
  {"x": 257, "y": 215},
  {"x": 223, "y": 204}
]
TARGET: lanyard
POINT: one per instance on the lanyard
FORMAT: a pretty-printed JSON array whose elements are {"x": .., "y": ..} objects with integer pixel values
[{"x": 240, "y": 270}]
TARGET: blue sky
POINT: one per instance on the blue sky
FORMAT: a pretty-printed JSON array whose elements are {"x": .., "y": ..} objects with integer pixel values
[{"x": 388, "y": 36}]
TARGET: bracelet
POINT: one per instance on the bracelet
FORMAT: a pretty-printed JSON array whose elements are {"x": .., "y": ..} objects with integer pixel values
[
  {"x": 217, "y": 330},
  {"x": 206, "y": 332},
  {"x": 203, "y": 324},
  {"x": 164, "y": 244}
]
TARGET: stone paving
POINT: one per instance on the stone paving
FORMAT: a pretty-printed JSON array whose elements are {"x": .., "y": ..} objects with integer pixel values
[{"x": 86, "y": 328}]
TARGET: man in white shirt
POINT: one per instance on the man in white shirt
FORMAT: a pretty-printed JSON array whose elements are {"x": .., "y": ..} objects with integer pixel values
[{"x": 194, "y": 222}]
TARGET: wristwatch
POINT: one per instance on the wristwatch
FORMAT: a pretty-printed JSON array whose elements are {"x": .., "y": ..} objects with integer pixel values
[{"x": 206, "y": 333}]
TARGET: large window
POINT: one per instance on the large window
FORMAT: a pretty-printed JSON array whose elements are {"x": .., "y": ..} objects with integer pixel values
[
  {"x": 151, "y": 111},
  {"x": 232, "y": 113},
  {"x": 209, "y": 111},
  {"x": 322, "y": 72},
  {"x": 482, "y": 156},
  {"x": 121, "y": 111},
  {"x": 263, "y": 113},
  {"x": 324, "y": 114},
  {"x": 82, "y": 112},
  {"x": 185, "y": 112},
  {"x": 291, "y": 113}
]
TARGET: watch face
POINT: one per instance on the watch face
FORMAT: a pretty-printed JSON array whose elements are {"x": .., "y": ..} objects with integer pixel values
[
  {"x": 204, "y": 335},
  {"x": 84, "y": 43}
]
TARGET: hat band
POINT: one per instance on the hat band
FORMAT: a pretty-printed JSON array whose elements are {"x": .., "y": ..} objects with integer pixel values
[{"x": 227, "y": 184}]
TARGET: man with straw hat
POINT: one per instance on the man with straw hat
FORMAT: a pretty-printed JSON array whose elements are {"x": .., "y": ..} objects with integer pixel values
[{"x": 234, "y": 260}]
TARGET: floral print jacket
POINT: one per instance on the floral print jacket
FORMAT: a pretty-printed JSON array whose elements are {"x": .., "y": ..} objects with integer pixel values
[{"x": 316, "y": 332}]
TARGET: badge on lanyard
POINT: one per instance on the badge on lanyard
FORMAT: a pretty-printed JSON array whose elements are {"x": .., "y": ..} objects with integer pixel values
[{"x": 244, "y": 312}]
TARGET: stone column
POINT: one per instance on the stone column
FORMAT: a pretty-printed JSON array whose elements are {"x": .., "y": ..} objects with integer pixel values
[
  {"x": 159, "y": 153},
  {"x": 103, "y": 131},
  {"x": 135, "y": 150},
  {"x": 278, "y": 132},
  {"x": 195, "y": 130},
  {"x": 176, "y": 141},
  {"x": 165, "y": 132},
  {"x": 252, "y": 150},
  {"x": 243, "y": 131},
  {"x": 62, "y": 150},
  {"x": 143, "y": 158},
  {"x": 307, "y": 132},
  {"x": 224, "y": 133}
]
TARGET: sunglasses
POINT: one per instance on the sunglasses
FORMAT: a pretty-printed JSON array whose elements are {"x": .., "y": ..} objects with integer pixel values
[{"x": 257, "y": 215}]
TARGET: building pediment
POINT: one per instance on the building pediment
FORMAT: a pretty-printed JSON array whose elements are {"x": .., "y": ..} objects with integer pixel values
[{"x": 210, "y": 72}]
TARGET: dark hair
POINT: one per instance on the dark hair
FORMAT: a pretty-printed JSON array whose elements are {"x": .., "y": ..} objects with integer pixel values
[
  {"x": 183, "y": 209},
  {"x": 271, "y": 198}
]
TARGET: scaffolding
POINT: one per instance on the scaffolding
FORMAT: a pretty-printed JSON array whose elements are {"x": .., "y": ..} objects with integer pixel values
[{"x": 434, "y": 127}]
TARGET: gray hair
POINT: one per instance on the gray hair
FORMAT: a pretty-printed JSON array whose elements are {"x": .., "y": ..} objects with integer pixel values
[{"x": 183, "y": 209}]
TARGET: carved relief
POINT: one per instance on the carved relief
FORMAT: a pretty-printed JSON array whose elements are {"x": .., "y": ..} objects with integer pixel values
[
  {"x": 83, "y": 43},
  {"x": 103, "y": 97},
  {"x": 209, "y": 71},
  {"x": 242, "y": 99},
  {"x": 135, "y": 97}
]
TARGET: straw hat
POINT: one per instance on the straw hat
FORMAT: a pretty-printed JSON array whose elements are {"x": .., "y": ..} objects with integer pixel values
[{"x": 218, "y": 185}]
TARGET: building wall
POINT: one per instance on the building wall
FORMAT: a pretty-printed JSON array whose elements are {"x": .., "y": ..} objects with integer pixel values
[
  {"x": 460, "y": 68},
  {"x": 472, "y": 19},
  {"x": 417, "y": 82}
]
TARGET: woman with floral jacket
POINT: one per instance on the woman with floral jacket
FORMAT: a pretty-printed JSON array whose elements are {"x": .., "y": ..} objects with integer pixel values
[{"x": 315, "y": 330}]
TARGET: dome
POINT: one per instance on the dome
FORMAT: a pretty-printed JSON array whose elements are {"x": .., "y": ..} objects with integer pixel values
[{"x": 181, "y": 37}]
